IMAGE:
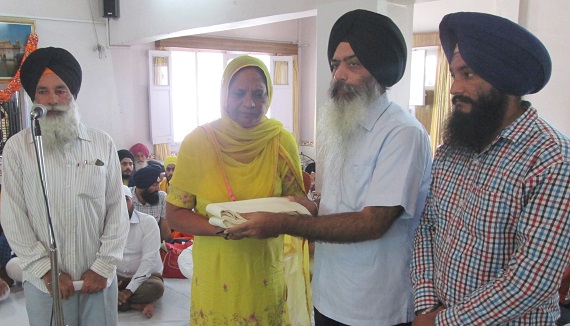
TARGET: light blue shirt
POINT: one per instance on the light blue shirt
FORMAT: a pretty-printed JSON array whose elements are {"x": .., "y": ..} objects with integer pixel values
[{"x": 368, "y": 283}]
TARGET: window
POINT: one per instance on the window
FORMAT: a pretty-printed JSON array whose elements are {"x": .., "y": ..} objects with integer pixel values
[{"x": 195, "y": 90}]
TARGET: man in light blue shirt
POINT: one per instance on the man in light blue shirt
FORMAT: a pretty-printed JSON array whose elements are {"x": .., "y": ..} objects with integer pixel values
[{"x": 377, "y": 161}]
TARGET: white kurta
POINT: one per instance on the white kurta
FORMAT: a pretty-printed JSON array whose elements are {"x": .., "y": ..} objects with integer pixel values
[
  {"x": 141, "y": 257},
  {"x": 89, "y": 213}
]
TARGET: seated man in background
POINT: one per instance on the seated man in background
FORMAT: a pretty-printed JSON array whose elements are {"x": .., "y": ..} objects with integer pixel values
[
  {"x": 139, "y": 274},
  {"x": 141, "y": 153},
  {"x": 148, "y": 199},
  {"x": 169, "y": 166},
  {"x": 127, "y": 160}
]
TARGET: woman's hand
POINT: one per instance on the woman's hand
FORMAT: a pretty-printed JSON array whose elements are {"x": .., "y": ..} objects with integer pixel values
[{"x": 310, "y": 205}]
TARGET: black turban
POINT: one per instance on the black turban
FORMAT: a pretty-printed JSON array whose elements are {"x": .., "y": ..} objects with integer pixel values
[
  {"x": 125, "y": 153},
  {"x": 503, "y": 53},
  {"x": 147, "y": 176},
  {"x": 376, "y": 41},
  {"x": 60, "y": 61}
]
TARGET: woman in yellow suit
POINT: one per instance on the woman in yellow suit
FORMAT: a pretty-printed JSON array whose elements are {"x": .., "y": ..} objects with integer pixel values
[{"x": 243, "y": 155}]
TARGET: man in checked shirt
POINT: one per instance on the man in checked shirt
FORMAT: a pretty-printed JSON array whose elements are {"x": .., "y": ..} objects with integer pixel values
[{"x": 493, "y": 240}]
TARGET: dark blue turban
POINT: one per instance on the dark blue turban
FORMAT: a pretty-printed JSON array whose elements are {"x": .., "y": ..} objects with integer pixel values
[
  {"x": 147, "y": 176},
  {"x": 123, "y": 153},
  {"x": 60, "y": 61},
  {"x": 376, "y": 41},
  {"x": 503, "y": 53}
]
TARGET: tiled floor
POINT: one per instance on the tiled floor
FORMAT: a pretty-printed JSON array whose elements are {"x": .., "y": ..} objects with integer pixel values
[{"x": 173, "y": 309}]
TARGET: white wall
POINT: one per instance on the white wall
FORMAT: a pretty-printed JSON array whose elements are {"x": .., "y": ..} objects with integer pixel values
[
  {"x": 549, "y": 22},
  {"x": 308, "y": 81},
  {"x": 150, "y": 20}
]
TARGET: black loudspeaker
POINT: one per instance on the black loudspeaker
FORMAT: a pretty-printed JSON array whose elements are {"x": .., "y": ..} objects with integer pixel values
[{"x": 111, "y": 8}]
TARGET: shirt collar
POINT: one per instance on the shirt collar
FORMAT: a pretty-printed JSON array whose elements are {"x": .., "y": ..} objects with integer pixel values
[
  {"x": 135, "y": 218},
  {"x": 521, "y": 126},
  {"x": 377, "y": 108}
]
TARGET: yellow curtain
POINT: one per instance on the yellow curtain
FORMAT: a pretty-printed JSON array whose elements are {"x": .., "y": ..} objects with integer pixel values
[
  {"x": 295, "y": 99},
  {"x": 280, "y": 74},
  {"x": 441, "y": 101},
  {"x": 160, "y": 71},
  {"x": 161, "y": 151}
]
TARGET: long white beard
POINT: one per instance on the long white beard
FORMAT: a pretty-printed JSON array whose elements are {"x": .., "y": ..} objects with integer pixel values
[
  {"x": 338, "y": 126},
  {"x": 140, "y": 165},
  {"x": 58, "y": 132}
]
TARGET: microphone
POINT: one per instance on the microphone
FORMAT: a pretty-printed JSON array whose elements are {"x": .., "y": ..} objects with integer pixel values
[{"x": 38, "y": 111}]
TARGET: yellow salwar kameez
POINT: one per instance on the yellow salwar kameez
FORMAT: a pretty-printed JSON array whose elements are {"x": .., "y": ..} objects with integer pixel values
[{"x": 244, "y": 282}]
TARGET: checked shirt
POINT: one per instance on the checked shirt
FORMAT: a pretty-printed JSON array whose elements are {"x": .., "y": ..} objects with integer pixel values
[{"x": 494, "y": 237}]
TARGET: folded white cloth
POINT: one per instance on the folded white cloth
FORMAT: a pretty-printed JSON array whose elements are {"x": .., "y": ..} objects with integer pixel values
[{"x": 227, "y": 214}]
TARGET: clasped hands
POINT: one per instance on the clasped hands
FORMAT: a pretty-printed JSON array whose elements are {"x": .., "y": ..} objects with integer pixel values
[
  {"x": 92, "y": 283},
  {"x": 124, "y": 296}
]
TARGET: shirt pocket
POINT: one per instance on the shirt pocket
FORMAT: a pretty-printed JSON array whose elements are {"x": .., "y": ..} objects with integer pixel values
[
  {"x": 487, "y": 215},
  {"x": 91, "y": 181},
  {"x": 355, "y": 183}
]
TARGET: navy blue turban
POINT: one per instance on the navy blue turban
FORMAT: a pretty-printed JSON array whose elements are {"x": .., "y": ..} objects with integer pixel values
[
  {"x": 123, "y": 153},
  {"x": 60, "y": 61},
  {"x": 147, "y": 176},
  {"x": 376, "y": 41},
  {"x": 503, "y": 53}
]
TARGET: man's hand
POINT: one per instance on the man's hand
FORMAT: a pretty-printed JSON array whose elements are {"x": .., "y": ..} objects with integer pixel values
[
  {"x": 124, "y": 296},
  {"x": 427, "y": 319},
  {"x": 92, "y": 282},
  {"x": 260, "y": 225},
  {"x": 65, "y": 285}
]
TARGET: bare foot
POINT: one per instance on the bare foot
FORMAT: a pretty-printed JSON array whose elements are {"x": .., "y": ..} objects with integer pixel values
[
  {"x": 147, "y": 309},
  {"x": 3, "y": 288}
]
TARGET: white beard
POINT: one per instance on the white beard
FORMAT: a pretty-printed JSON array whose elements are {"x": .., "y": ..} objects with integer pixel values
[
  {"x": 58, "y": 132},
  {"x": 140, "y": 165},
  {"x": 339, "y": 127}
]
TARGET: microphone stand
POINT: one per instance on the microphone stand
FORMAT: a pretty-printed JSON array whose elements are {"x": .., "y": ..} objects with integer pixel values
[{"x": 56, "y": 293}]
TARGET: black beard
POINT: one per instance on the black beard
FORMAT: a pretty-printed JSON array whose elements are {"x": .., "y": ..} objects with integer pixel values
[
  {"x": 151, "y": 198},
  {"x": 126, "y": 176},
  {"x": 476, "y": 129}
]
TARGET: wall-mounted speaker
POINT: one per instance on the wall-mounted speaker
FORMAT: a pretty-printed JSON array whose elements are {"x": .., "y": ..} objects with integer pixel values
[{"x": 111, "y": 8}]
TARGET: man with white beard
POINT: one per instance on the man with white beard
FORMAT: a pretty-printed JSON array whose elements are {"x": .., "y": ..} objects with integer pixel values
[
  {"x": 376, "y": 171},
  {"x": 89, "y": 215}
]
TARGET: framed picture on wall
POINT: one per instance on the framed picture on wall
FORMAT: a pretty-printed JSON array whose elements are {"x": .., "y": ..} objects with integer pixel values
[{"x": 14, "y": 34}]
